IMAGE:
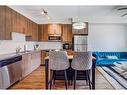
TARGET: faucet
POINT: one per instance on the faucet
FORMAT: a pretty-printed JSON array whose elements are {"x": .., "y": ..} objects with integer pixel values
[{"x": 18, "y": 49}]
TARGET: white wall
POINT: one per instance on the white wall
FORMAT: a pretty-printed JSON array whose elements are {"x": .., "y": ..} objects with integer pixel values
[{"x": 107, "y": 37}]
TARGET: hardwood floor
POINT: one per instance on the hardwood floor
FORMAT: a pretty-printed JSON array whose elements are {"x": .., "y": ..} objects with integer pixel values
[{"x": 36, "y": 80}]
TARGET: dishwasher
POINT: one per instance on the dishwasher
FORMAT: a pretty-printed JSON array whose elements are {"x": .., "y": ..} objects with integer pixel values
[{"x": 10, "y": 71}]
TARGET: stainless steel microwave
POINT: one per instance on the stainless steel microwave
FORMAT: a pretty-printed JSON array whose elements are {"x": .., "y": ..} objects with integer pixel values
[{"x": 54, "y": 38}]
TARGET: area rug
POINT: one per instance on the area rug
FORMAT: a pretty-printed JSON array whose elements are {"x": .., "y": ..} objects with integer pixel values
[{"x": 116, "y": 76}]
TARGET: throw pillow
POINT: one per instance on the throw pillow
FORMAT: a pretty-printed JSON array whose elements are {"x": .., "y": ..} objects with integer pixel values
[{"x": 112, "y": 57}]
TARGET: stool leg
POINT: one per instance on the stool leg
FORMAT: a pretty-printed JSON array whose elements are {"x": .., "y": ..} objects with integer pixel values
[
  {"x": 65, "y": 75},
  {"x": 54, "y": 74},
  {"x": 88, "y": 72},
  {"x": 51, "y": 78},
  {"x": 75, "y": 76},
  {"x": 86, "y": 78}
]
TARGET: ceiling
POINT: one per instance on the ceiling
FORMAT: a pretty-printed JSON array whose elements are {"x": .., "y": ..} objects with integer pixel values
[{"x": 62, "y": 14}]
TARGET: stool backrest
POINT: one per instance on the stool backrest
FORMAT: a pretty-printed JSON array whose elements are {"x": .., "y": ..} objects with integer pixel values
[
  {"x": 82, "y": 61},
  {"x": 58, "y": 60}
]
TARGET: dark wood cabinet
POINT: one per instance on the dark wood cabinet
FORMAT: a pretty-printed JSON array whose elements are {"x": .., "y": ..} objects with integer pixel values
[
  {"x": 67, "y": 33},
  {"x": 2, "y": 23}
]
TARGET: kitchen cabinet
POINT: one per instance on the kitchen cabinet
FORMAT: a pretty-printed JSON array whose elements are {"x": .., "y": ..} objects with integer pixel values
[
  {"x": 8, "y": 23},
  {"x": 30, "y": 62},
  {"x": 12, "y": 21},
  {"x": 81, "y": 31},
  {"x": 36, "y": 60},
  {"x": 43, "y": 32},
  {"x": 67, "y": 32},
  {"x": 54, "y": 29},
  {"x": 34, "y": 31},
  {"x": 26, "y": 64},
  {"x": 1, "y": 79},
  {"x": 2, "y": 23}
]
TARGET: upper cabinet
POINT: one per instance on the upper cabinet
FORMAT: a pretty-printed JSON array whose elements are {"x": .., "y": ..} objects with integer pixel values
[
  {"x": 54, "y": 29},
  {"x": 46, "y": 30},
  {"x": 62, "y": 30},
  {"x": 81, "y": 31},
  {"x": 67, "y": 32},
  {"x": 8, "y": 23},
  {"x": 2, "y": 23},
  {"x": 12, "y": 21},
  {"x": 43, "y": 32}
]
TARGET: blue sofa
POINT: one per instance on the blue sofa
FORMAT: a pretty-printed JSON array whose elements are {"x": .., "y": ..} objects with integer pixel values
[{"x": 101, "y": 57}]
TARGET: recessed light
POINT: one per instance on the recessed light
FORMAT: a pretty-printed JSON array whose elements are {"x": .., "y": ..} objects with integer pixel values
[
  {"x": 42, "y": 13},
  {"x": 48, "y": 17}
]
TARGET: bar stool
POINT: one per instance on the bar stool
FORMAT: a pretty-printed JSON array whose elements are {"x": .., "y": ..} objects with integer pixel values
[
  {"x": 82, "y": 61},
  {"x": 58, "y": 61}
]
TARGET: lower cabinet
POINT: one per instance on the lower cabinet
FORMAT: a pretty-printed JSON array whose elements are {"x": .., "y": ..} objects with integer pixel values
[
  {"x": 36, "y": 60},
  {"x": 30, "y": 62},
  {"x": 1, "y": 79}
]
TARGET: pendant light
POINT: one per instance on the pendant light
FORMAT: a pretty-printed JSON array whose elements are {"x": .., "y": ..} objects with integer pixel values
[{"x": 79, "y": 24}]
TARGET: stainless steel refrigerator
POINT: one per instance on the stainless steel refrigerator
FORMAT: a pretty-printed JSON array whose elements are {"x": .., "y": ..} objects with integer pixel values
[{"x": 80, "y": 43}]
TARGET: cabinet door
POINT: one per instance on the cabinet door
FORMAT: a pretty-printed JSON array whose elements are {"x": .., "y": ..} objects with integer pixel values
[
  {"x": 1, "y": 79},
  {"x": 34, "y": 31},
  {"x": 26, "y": 65},
  {"x": 30, "y": 28},
  {"x": 14, "y": 21},
  {"x": 8, "y": 23},
  {"x": 33, "y": 61},
  {"x": 43, "y": 32},
  {"x": 36, "y": 60},
  {"x": 22, "y": 24},
  {"x": 67, "y": 33},
  {"x": 54, "y": 29},
  {"x": 2, "y": 23},
  {"x": 64, "y": 32}
]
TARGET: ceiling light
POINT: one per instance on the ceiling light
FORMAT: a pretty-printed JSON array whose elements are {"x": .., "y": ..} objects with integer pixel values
[
  {"x": 45, "y": 13},
  {"x": 42, "y": 13},
  {"x": 79, "y": 25},
  {"x": 48, "y": 17}
]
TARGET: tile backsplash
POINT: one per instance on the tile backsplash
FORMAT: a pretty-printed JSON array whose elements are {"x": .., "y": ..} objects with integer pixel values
[{"x": 9, "y": 46}]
